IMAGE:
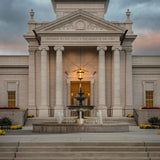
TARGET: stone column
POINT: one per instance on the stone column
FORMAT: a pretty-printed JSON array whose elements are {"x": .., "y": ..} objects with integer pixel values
[
  {"x": 129, "y": 98},
  {"x": 32, "y": 83},
  {"x": 101, "y": 84},
  {"x": 59, "y": 81},
  {"x": 116, "y": 98},
  {"x": 43, "y": 110}
]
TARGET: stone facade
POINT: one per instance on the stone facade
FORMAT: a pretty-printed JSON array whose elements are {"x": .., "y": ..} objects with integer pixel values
[{"x": 79, "y": 37}]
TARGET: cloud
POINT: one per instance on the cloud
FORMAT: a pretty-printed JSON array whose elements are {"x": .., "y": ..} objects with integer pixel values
[
  {"x": 144, "y": 13},
  {"x": 149, "y": 42},
  {"x": 14, "y": 15}
]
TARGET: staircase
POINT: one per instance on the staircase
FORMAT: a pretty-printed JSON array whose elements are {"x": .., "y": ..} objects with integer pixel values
[{"x": 80, "y": 151}]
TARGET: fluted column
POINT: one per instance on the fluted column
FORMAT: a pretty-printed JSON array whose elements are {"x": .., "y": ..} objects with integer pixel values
[
  {"x": 129, "y": 99},
  {"x": 59, "y": 81},
  {"x": 32, "y": 88},
  {"x": 43, "y": 111},
  {"x": 116, "y": 98},
  {"x": 101, "y": 84}
]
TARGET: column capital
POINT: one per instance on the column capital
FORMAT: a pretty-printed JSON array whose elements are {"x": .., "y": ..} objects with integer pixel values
[
  {"x": 58, "y": 48},
  {"x": 128, "y": 49},
  {"x": 44, "y": 48},
  {"x": 101, "y": 48},
  {"x": 31, "y": 51},
  {"x": 116, "y": 48}
]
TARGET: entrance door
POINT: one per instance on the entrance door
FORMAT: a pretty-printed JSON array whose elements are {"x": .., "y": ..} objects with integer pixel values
[{"x": 86, "y": 88}]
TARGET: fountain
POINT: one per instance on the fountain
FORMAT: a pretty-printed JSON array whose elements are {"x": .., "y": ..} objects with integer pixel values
[
  {"x": 80, "y": 109},
  {"x": 59, "y": 126}
]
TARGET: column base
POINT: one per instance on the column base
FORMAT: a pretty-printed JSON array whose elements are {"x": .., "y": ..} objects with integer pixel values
[
  {"x": 43, "y": 112},
  {"x": 128, "y": 110},
  {"x": 117, "y": 111},
  {"x": 103, "y": 109},
  {"x": 57, "y": 110}
]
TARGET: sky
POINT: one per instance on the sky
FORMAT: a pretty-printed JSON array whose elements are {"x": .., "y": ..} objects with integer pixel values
[{"x": 14, "y": 16}]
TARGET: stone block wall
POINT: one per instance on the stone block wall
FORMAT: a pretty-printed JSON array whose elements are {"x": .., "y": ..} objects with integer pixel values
[
  {"x": 145, "y": 114},
  {"x": 15, "y": 115}
]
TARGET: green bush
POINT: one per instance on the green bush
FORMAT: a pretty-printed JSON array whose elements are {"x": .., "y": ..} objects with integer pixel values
[
  {"x": 5, "y": 122},
  {"x": 153, "y": 120}
]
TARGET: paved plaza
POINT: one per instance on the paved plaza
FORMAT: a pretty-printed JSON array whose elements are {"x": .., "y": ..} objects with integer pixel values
[{"x": 135, "y": 135}]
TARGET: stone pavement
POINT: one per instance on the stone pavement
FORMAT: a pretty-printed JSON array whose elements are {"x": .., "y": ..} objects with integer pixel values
[{"x": 135, "y": 135}]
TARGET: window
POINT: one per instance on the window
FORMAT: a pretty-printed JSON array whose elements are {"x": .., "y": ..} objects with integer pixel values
[
  {"x": 149, "y": 99},
  {"x": 11, "y": 99}
]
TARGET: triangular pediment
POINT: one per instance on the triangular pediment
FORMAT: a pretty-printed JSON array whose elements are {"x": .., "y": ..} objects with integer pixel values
[{"x": 80, "y": 21}]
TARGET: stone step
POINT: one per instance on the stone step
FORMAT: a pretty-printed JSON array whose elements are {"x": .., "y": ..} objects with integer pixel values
[
  {"x": 1, "y": 158},
  {"x": 8, "y": 149},
  {"x": 154, "y": 154},
  {"x": 8, "y": 155},
  {"x": 10, "y": 144},
  {"x": 82, "y": 144},
  {"x": 81, "y": 154},
  {"x": 87, "y": 158},
  {"x": 81, "y": 149},
  {"x": 152, "y": 144},
  {"x": 149, "y": 149}
]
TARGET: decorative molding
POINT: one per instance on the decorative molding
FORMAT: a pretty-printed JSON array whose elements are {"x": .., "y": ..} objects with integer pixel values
[
  {"x": 81, "y": 24},
  {"x": 59, "y": 48},
  {"x": 44, "y": 47},
  {"x": 116, "y": 48},
  {"x": 102, "y": 48},
  {"x": 149, "y": 88},
  {"x": 16, "y": 89}
]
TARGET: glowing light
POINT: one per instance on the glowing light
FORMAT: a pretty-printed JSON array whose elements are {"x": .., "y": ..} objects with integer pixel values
[{"x": 80, "y": 74}]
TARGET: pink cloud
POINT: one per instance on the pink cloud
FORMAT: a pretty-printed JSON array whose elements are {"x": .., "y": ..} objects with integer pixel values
[
  {"x": 13, "y": 47},
  {"x": 149, "y": 41}
]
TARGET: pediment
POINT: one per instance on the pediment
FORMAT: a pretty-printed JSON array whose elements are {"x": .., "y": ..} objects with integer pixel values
[{"x": 80, "y": 21}]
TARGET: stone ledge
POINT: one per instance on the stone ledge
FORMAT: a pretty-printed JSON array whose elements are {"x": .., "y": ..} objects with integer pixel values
[{"x": 50, "y": 127}]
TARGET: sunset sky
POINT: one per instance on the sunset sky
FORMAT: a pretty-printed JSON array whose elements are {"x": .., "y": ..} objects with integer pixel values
[{"x": 14, "y": 15}]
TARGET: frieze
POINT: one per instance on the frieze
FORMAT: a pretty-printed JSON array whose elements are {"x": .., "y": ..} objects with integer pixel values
[
  {"x": 48, "y": 39},
  {"x": 81, "y": 25}
]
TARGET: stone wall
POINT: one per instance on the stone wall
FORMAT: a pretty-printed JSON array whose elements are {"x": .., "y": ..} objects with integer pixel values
[
  {"x": 15, "y": 115},
  {"x": 145, "y": 114},
  {"x": 146, "y": 76},
  {"x": 14, "y": 77}
]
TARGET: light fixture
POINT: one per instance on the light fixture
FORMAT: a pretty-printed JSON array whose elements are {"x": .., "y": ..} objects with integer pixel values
[{"x": 80, "y": 73}]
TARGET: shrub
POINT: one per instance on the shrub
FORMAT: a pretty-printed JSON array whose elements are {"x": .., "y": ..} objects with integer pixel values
[
  {"x": 147, "y": 126},
  {"x": 15, "y": 127},
  {"x": 5, "y": 122},
  {"x": 2, "y": 132},
  {"x": 30, "y": 116},
  {"x": 153, "y": 120},
  {"x": 131, "y": 115}
]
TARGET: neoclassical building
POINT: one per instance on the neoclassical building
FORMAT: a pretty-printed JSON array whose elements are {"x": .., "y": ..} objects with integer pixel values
[{"x": 46, "y": 81}]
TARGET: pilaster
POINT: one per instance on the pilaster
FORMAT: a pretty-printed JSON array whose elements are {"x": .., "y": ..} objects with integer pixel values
[
  {"x": 116, "y": 98},
  {"x": 129, "y": 92},
  {"x": 43, "y": 110},
  {"x": 102, "y": 83},
  {"x": 32, "y": 85},
  {"x": 59, "y": 107}
]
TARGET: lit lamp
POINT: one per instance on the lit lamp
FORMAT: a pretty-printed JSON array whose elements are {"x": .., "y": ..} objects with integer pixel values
[{"x": 80, "y": 74}]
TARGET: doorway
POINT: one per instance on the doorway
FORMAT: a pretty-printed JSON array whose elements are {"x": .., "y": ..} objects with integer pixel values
[{"x": 86, "y": 88}]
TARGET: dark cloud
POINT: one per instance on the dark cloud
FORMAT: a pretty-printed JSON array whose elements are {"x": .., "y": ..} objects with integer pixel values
[
  {"x": 145, "y": 13},
  {"x": 14, "y": 15}
]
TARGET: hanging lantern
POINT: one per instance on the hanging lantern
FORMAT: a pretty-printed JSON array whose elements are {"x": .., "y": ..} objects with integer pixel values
[{"x": 80, "y": 74}]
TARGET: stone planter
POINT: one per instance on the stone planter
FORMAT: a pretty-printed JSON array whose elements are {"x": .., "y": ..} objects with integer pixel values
[
  {"x": 144, "y": 114},
  {"x": 17, "y": 116}
]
